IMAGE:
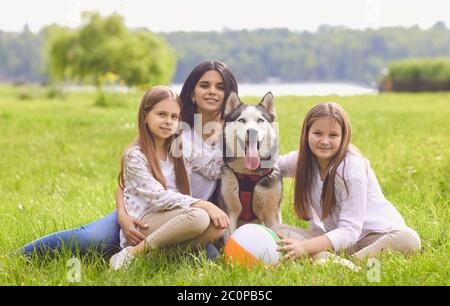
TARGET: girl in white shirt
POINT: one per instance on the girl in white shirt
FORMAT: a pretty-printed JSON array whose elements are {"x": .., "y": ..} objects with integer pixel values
[
  {"x": 202, "y": 98},
  {"x": 154, "y": 177},
  {"x": 337, "y": 192}
]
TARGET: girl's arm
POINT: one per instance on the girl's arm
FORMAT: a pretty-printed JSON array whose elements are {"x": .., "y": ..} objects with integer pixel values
[
  {"x": 353, "y": 205},
  {"x": 300, "y": 248},
  {"x": 158, "y": 198},
  {"x": 120, "y": 204},
  {"x": 148, "y": 189},
  {"x": 127, "y": 223},
  {"x": 288, "y": 163}
]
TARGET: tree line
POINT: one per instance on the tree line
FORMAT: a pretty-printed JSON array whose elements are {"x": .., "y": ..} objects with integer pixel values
[{"x": 329, "y": 54}]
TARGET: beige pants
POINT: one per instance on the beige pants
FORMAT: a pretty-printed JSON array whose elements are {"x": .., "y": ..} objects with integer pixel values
[
  {"x": 405, "y": 240},
  {"x": 184, "y": 227}
]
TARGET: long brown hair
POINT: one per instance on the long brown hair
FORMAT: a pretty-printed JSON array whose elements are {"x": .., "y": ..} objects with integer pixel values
[
  {"x": 146, "y": 142},
  {"x": 306, "y": 162},
  {"x": 188, "y": 108}
]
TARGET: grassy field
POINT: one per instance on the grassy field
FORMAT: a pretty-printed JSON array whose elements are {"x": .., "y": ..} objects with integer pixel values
[{"x": 60, "y": 158}]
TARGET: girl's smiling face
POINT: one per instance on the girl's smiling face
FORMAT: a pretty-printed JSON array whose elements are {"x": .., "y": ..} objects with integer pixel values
[
  {"x": 209, "y": 92},
  {"x": 162, "y": 120},
  {"x": 324, "y": 139}
]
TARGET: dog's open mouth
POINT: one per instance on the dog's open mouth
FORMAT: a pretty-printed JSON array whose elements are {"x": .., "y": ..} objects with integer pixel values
[{"x": 252, "y": 160}]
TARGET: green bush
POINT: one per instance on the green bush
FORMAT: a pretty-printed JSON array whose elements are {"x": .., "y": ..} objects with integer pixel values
[
  {"x": 109, "y": 99},
  {"x": 55, "y": 93},
  {"x": 418, "y": 75},
  {"x": 36, "y": 92},
  {"x": 24, "y": 94}
]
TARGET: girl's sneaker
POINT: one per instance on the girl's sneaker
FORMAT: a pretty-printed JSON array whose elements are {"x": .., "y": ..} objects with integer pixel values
[{"x": 123, "y": 259}]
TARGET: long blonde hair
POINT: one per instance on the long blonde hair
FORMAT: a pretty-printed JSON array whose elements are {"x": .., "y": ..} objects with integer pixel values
[
  {"x": 304, "y": 174},
  {"x": 146, "y": 141}
]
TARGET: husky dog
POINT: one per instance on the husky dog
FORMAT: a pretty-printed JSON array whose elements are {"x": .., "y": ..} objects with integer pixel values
[{"x": 251, "y": 187}]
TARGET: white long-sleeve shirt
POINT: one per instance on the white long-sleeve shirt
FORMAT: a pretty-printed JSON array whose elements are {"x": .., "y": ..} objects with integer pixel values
[
  {"x": 364, "y": 210},
  {"x": 143, "y": 194},
  {"x": 202, "y": 186}
]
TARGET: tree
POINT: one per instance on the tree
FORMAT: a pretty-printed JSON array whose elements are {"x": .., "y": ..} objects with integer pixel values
[
  {"x": 105, "y": 45},
  {"x": 332, "y": 53},
  {"x": 21, "y": 56}
]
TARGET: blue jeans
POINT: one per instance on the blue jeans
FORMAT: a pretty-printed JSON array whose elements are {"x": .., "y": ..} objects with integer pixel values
[{"x": 101, "y": 236}]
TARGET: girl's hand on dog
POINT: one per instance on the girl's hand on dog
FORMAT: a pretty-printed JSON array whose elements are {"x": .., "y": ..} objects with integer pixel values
[{"x": 292, "y": 247}]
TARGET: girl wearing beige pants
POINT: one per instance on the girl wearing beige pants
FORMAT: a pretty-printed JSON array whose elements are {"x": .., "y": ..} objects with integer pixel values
[
  {"x": 183, "y": 227},
  {"x": 154, "y": 176},
  {"x": 337, "y": 192},
  {"x": 403, "y": 240}
]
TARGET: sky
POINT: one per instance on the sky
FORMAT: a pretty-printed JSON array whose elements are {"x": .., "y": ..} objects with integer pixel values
[{"x": 210, "y": 15}]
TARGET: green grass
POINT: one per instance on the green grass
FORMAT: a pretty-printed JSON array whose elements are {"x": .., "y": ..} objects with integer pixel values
[{"x": 60, "y": 158}]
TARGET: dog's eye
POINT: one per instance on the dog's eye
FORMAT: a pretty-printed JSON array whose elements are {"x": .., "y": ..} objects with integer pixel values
[
  {"x": 241, "y": 120},
  {"x": 260, "y": 120}
]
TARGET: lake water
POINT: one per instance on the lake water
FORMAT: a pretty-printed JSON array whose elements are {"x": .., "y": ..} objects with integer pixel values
[
  {"x": 278, "y": 89},
  {"x": 301, "y": 89}
]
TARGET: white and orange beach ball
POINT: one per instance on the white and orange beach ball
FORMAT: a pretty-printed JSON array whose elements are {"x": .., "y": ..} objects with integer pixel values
[{"x": 251, "y": 245}]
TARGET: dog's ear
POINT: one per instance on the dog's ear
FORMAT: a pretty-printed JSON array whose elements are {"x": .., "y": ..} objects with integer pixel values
[
  {"x": 269, "y": 104},
  {"x": 232, "y": 103}
]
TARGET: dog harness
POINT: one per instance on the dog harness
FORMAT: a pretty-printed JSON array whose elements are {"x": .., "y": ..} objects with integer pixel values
[{"x": 247, "y": 184}]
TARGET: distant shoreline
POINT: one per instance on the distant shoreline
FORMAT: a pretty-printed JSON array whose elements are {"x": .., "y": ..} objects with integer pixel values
[
  {"x": 302, "y": 89},
  {"x": 253, "y": 89}
]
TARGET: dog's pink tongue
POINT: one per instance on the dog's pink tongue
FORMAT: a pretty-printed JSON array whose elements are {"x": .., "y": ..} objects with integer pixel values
[{"x": 252, "y": 160}]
